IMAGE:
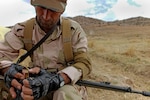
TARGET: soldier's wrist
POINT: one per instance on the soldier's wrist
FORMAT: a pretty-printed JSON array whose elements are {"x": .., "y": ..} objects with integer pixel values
[{"x": 67, "y": 80}]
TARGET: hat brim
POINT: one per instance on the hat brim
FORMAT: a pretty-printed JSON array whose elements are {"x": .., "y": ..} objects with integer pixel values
[{"x": 54, "y": 5}]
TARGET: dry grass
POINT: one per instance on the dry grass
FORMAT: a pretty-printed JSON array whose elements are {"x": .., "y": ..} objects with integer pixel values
[{"x": 122, "y": 58}]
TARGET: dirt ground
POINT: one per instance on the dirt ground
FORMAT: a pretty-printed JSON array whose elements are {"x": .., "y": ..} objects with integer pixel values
[{"x": 120, "y": 55}]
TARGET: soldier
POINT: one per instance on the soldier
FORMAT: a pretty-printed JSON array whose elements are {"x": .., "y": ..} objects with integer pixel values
[{"x": 46, "y": 84}]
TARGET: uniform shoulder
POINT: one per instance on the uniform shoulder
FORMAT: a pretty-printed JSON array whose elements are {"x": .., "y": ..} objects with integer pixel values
[
  {"x": 21, "y": 25},
  {"x": 18, "y": 28},
  {"x": 73, "y": 21},
  {"x": 74, "y": 24}
]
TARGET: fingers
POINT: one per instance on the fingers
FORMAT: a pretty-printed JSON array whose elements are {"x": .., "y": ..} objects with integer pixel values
[
  {"x": 27, "y": 93},
  {"x": 27, "y": 90},
  {"x": 16, "y": 84},
  {"x": 12, "y": 92},
  {"x": 34, "y": 70},
  {"x": 27, "y": 97},
  {"x": 26, "y": 83},
  {"x": 19, "y": 76},
  {"x": 24, "y": 73}
]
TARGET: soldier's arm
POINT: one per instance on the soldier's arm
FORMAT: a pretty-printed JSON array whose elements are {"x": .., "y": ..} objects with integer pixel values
[
  {"x": 82, "y": 64},
  {"x": 9, "y": 47}
]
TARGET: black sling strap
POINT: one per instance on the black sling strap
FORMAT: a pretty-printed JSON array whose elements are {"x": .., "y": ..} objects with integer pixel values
[{"x": 36, "y": 46}]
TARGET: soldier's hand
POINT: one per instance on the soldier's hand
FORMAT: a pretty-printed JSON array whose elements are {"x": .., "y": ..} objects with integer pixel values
[
  {"x": 27, "y": 93},
  {"x": 36, "y": 87},
  {"x": 12, "y": 78},
  {"x": 14, "y": 72}
]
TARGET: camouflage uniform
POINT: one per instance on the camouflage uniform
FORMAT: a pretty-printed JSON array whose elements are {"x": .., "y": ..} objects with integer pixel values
[{"x": 50, "y": 56}]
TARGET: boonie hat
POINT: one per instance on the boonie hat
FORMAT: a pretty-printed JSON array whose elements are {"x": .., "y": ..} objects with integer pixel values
[{"x": 55, "y": 5}]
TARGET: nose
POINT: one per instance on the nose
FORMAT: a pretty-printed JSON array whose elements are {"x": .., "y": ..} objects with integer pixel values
[{"x": 46, "y": 14}]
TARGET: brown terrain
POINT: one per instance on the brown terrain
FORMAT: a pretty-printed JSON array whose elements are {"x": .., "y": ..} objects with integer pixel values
[{"x": 120, "y": 54}]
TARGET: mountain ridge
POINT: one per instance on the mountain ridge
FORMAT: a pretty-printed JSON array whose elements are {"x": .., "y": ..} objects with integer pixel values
[
  {"x": 97, "y": 26},
  {"x": 141, "y": 21}
]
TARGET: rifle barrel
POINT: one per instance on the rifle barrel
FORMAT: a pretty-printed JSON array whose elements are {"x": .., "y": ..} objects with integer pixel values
[{"x": 108, "y": 86}]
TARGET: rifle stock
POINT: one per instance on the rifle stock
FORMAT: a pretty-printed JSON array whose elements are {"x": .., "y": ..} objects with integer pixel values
[{"x": 108, "y": 86}]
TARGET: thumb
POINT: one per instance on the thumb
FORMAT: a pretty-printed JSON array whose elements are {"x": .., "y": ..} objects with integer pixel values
[
  {"x": 19, "y": 76},
  {"x": 26, "y": 83},
  {"x": 34, "y": 70}
]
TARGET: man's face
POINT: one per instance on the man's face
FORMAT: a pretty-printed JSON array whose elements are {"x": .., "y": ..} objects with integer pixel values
[{"x": 46, "y": 18}]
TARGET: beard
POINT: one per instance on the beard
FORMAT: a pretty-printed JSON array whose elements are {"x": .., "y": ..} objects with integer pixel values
[{"x": 46, "y": 25}]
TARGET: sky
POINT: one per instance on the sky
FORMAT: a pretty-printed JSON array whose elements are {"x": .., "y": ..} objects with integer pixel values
[{"x": 14, "y": 11}]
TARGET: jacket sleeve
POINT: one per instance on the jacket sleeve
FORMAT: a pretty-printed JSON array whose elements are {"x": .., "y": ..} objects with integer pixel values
[
  {"x": 82, "y": 62},
  {"x": 80, "y": 49},
  {"x": 9, "y": 48}
]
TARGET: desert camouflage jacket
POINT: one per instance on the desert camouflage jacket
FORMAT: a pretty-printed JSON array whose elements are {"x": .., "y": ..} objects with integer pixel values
[{"x": 50, "y": 53}]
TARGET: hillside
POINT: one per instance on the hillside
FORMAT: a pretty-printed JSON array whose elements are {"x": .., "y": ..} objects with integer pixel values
[
  {"x": 120, "y": 52},
  {"x": 138, "y": 21},
  {"x": 94, "y": 26}
]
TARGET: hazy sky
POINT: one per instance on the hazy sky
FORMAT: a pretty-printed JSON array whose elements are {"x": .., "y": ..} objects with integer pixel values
[{"x": 13, "y": 11}]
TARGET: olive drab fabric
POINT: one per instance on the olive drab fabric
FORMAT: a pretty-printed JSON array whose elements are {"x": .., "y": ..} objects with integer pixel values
[
  {"x": 28, "y": 34},
  {"x": 66, "y": 29}
]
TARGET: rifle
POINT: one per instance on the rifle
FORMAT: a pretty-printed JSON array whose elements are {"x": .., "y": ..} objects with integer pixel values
[{"x": 108, "y": 86}]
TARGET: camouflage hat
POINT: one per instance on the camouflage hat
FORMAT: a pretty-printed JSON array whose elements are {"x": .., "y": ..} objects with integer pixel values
[{"x": 55, "y": 5}]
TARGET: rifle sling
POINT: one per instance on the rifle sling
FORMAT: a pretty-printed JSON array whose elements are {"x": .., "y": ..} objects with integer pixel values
[
  {"x": 66, "y": 34},
  {"x": 37, "y": 45}
]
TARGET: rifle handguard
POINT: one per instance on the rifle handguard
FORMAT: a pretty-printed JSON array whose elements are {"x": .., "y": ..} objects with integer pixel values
[{"x": 108, "y": 86}]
